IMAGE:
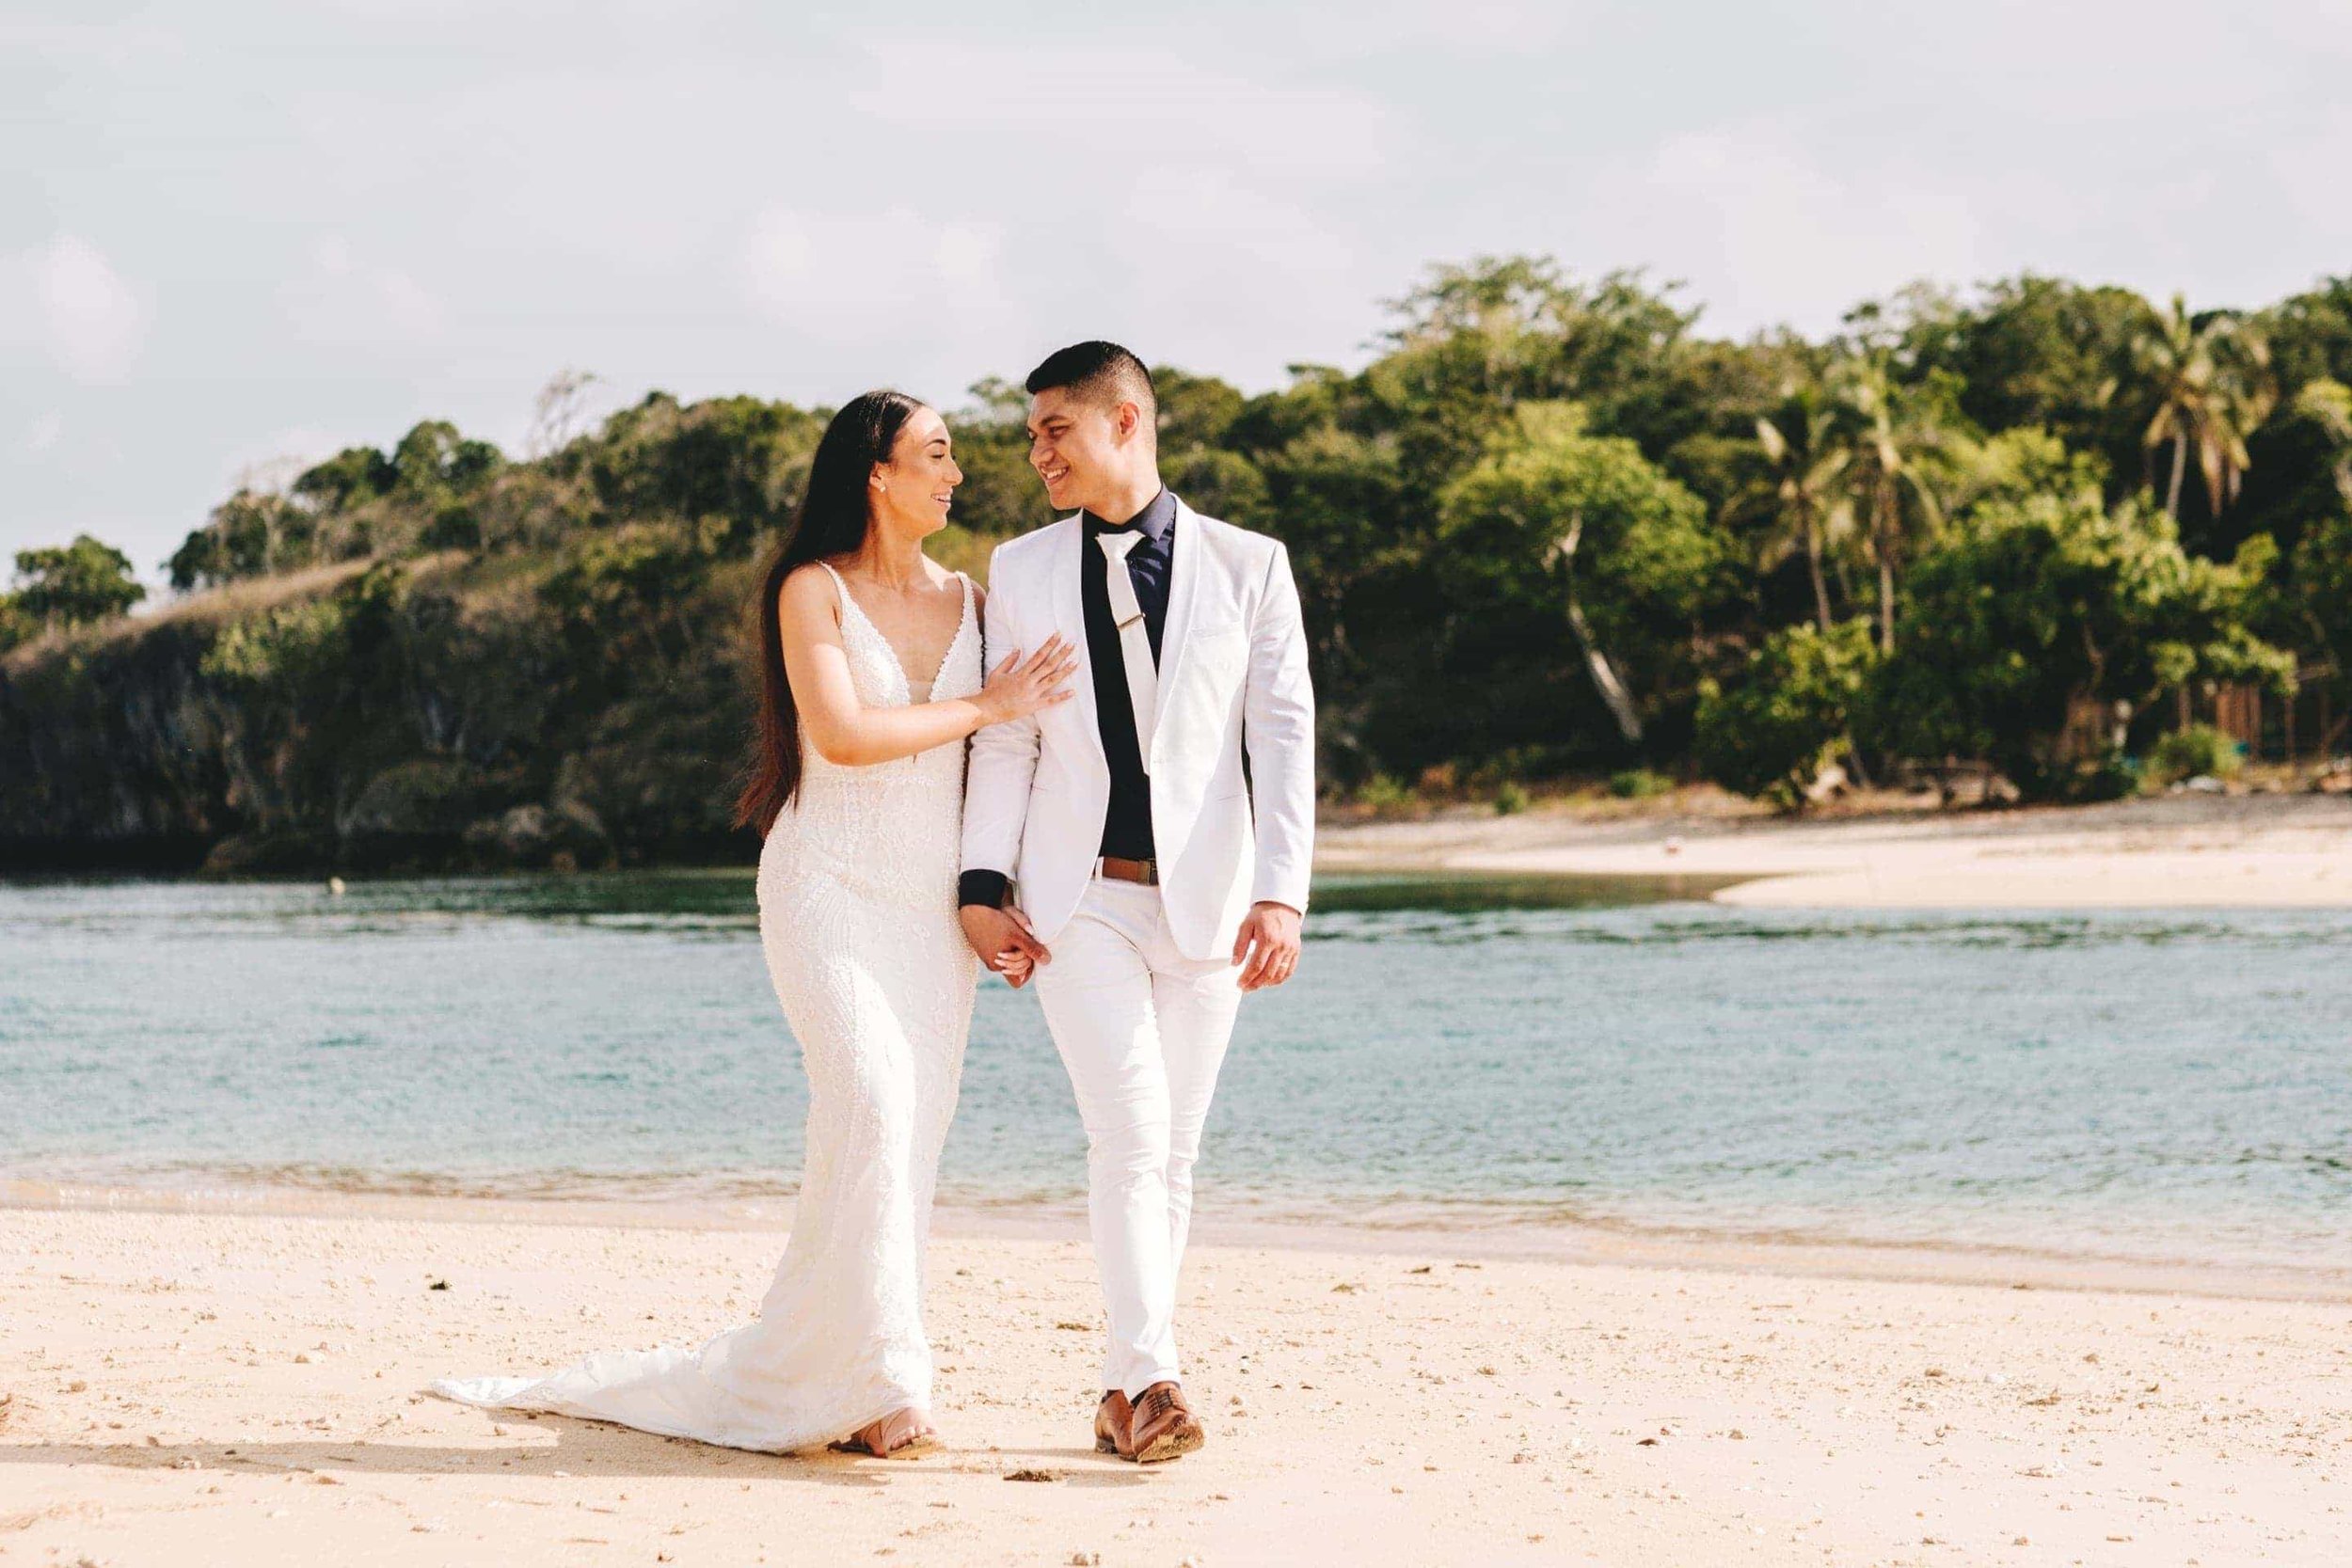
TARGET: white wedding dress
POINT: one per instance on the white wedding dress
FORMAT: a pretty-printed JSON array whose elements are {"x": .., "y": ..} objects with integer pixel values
[{"x": 857, "y": 915}]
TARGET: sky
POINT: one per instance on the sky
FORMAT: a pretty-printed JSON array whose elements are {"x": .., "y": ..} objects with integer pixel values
[{"x": 238, "y": 237}]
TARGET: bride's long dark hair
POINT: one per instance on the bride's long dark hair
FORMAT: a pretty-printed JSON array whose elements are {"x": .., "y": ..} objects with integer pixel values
[{"x": 831, "y": 520}]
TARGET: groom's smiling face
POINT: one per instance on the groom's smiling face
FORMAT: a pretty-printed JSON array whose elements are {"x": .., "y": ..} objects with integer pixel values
[{"x": 1077, "y": 447}]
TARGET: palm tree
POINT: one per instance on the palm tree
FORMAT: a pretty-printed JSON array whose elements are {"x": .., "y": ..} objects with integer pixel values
[
  {"x": 1894, "y": 448},
  {"x": 2212, "y": 386},
  {"x": 1808, "y": 503}
]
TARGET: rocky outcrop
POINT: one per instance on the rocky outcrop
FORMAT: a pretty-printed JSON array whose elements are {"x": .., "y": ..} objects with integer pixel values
[{"x": 444, "y": 715}]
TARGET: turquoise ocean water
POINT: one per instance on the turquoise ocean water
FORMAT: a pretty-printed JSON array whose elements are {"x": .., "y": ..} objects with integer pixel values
[{"x": 2141, "y": 1084}]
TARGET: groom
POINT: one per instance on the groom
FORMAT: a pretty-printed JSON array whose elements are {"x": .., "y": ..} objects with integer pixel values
[{"x": 1122, "y": 842}]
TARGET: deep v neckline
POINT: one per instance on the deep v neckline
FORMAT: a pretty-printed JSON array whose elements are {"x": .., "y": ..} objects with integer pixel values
[{"x": 898, "y": 661}]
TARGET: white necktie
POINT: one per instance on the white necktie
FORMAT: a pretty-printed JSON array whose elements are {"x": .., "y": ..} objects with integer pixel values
[{"x": 1134, "y": 639}]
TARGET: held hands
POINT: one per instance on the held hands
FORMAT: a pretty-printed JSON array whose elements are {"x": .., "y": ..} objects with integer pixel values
[
  {"x": 1016, "y": 689},
  {"x": 1003, "y": 940},
  {"x": 1267, "y": 946}
]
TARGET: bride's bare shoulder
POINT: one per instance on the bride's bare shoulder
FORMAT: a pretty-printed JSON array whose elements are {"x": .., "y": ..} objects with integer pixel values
[{"x": 810, "y": 595}]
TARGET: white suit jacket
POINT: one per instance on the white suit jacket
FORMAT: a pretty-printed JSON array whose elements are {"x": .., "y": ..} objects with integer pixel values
[{"x": 1233, "y": 676}]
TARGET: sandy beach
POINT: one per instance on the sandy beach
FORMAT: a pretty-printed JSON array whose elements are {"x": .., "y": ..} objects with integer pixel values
[
  {"x": 2176, "y": 852},
  {"x": 215, "y": 1387}
]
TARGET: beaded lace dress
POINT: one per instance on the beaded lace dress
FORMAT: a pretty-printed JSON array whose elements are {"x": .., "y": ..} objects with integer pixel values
[{"x": 857, "y": 917}]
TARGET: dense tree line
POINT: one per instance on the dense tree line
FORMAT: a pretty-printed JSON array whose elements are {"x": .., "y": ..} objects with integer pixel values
[{"x": 1551, "y": 528}]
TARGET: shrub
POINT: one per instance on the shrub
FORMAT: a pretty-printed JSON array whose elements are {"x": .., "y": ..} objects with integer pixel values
[
  {"x": 1639, "y": 784},
  {"x": 2200, "y": 748},
  {"x": 2029, "y": 609},
  {"x": 1767, "y": 734},
  {"x": 1386, "y": 794},
  {"x": 1510, "y": 799}
]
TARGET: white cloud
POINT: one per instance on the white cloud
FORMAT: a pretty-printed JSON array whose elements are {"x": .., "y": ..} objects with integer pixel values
[
  {"x": 848, "y": 279},
  {"x": 1056, "y": 120},
  {"x": 1461, "y": 28},
  {"x": 345, "y": 301},
  {"x": 44, "y": 433},
  {"x": 1224, "y": 278},
  {"x": 68, "y": 299},
  {"x": 1766, "y": 231},
  {"x": 111, "y": 43},
  {"x": 1208, "y": 217},
  {"x": 2310, "y": 165}
]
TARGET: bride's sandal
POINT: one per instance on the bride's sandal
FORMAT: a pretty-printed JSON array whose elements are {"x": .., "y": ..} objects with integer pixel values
[{"x": 901, "y": 1434}]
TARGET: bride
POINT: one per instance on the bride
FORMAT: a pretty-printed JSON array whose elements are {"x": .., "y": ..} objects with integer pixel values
[{"x": 872, "y": 662}]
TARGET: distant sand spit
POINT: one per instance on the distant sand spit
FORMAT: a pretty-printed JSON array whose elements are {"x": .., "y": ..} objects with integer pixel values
[{"x": 2178, "y": 852}]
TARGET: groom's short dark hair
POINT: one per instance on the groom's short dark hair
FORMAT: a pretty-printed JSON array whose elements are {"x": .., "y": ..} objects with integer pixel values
[{"x": 1102, "y": 371}]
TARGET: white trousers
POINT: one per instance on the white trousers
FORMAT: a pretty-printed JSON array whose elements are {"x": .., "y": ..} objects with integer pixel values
[{"x": 1142, "y": 1030}]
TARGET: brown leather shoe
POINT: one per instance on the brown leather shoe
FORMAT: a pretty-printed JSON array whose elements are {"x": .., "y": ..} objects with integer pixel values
[
  {"x": 1162, "y": 1426},
  {"x": 1111, "y": 1419}
]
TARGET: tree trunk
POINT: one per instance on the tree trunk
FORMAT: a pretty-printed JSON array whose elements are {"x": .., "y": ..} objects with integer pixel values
[
  {"x": 1813, "y": 561},
  {"x": 1612, "y": 690},
  {"x": 1883, "y": 530},
  {"x": 2180, "y": 466},
  {"x": 1597, "y": 663},
  {"x": 1886, "y": 600}
]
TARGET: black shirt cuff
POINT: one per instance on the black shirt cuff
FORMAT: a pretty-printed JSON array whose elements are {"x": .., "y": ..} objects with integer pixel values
[{"x": 985, "y": 888}]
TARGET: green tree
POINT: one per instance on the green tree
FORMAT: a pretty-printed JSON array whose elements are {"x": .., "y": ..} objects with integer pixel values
[
  {"x": 74, "y": 584},
  {"x": 1000, "y": 496},
  {"x": 315, "y": 691},
  {"x": 2032, "y": 351},
  {"x": 434, "y": 460},
  {"x": 1700, "y": 427},
  {"x": 1339, "y": 501},
  {"x": 1899, "y": 442},
  {"x": 2321, "y": 593},
  {"x": 352, "y": 477},
  {"x": 2310, "y": 334},
  {"x": 15, "y": 626},
  {"x": 1787, "y": 713},
  {"x": 1472, "y": 342},
  {"x": 1197, "y": 414},
  {"x": 627, "y": 597},
  {"x": 2036, "y": 610},
  {"x": 1629, "y": 552},
  {"x": 741, "y": 460},
  {"x": 248, "y": 535},
  {"x": 1805, "y": 494},
  {"x": 2018, "y": 464},
  {"x": 2211, "y": 383}
]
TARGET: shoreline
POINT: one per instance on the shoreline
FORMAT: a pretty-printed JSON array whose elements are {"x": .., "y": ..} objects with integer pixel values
[
  {"x": 2269, "y": 850},
  {"x": 1464, "y": 1230},
  {"x": 2250, "y": 851}
]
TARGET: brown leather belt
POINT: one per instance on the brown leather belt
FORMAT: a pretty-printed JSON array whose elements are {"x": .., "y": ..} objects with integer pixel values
[{"x": 1146, "y": 872}]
